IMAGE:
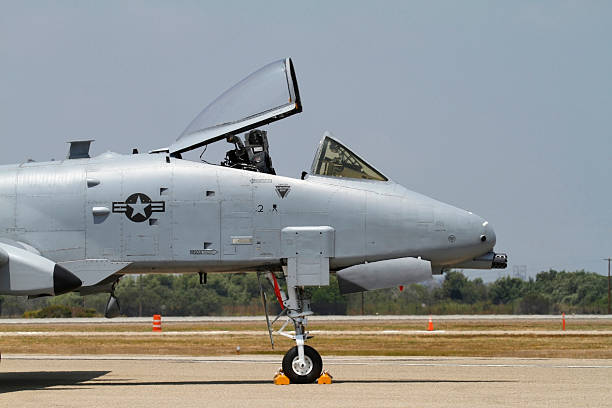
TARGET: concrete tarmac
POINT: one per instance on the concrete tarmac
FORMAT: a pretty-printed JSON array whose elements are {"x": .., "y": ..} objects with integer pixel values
[{"x": 246, "y": 381}]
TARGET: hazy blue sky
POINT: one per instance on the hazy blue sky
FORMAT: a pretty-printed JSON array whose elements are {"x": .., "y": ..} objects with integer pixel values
[{"x": 502, "y": 108}]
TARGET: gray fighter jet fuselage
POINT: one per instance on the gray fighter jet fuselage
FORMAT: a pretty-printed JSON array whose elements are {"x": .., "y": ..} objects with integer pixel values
[
  {"x": 82, "y": 223},
  {"x": 159, "y": 214}
]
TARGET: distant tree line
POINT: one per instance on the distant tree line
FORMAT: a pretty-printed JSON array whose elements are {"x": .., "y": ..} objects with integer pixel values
[{"x": 239, "y": 294}]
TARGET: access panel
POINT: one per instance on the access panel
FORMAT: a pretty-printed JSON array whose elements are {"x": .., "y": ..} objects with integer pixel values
[{"x": 307, "y": 250}]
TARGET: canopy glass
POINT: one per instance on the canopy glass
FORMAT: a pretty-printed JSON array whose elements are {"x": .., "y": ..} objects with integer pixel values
[
  {"x": 267, "y": 95},
  {"x": 336, "y": 160}
]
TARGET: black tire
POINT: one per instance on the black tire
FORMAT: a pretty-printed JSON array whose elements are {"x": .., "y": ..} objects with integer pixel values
[{"x": 312, "y": 374}]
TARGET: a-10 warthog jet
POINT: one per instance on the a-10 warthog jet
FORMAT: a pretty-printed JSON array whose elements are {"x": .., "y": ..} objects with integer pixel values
[{"x": 80, "y": 224}]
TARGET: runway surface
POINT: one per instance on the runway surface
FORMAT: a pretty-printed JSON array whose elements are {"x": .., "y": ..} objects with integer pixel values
[{"x": 246, "y": 381}]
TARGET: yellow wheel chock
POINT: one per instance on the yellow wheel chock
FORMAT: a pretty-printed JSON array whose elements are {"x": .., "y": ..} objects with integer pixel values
[
  {"x": 325, "y": 378},
  {"x": 280, "y": 378}
]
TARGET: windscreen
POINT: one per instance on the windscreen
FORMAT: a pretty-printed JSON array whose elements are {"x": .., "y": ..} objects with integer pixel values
[
  {"x": 264, "y": 90},
  {"x": 335, "y": 160}
]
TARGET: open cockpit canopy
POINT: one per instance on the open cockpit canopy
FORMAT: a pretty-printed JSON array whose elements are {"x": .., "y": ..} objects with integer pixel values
[
  {"x": 336, "y": 160},
  {"x": 265, "y": 96}
]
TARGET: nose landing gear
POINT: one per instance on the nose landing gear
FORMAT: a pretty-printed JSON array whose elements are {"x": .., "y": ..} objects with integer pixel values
[{"x": 302, "y": 363}]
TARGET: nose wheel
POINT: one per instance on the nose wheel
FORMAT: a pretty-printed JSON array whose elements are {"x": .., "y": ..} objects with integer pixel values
[{"x": 302, "y": 371}]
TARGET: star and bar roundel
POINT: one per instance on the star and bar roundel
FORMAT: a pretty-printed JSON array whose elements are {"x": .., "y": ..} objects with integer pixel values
[{"x": 138, "y": 207}]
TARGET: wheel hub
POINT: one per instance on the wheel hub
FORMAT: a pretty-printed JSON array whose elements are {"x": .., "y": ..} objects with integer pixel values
[{"x": 302, "y": 368}]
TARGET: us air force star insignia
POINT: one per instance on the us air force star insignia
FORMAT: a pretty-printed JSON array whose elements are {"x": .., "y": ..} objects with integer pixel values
[
  {"x": 138, "y": 207},
  {"x": 283, "y": 190}
]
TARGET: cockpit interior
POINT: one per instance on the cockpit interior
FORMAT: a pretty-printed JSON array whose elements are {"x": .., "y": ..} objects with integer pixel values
[{"x": 333, "y": 159}]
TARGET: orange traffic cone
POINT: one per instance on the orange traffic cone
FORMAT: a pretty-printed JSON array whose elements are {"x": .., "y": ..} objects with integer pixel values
[
  {"x": 157, "y": 323},
  {"x": 430, "y": 324}
]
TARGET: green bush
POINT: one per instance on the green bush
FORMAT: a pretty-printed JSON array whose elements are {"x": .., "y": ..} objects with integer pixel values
[
  {"x": 84, "y": 312},
  {"x": 534, "y": 303},
  {"x": 57, "y": 311},
  {"x": 50, "y": 311}
]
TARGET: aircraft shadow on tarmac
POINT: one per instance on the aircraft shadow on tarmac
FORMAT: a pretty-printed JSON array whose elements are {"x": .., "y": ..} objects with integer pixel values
[
  {"x": 21, "y": 381},
  {"x": 35, "y": 380}
]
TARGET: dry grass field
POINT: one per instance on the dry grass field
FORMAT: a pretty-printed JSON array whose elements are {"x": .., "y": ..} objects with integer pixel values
[
  {"x": 573, "y": 324},
  {"x": 467, "y": 338}
]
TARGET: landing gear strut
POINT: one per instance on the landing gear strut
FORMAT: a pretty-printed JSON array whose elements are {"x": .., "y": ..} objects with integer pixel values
[{"x": 302, "y": 363}]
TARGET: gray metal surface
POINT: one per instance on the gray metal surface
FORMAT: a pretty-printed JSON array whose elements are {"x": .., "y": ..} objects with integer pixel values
[
  {"x": 307, "y": 250},
  {"x": 383, "y": 274},
  {"x": 113, "y": 214}
]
